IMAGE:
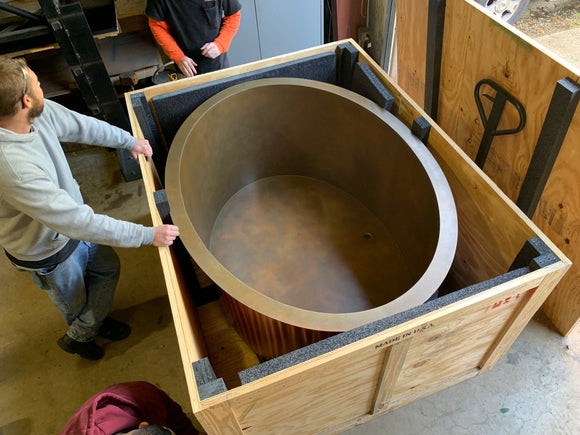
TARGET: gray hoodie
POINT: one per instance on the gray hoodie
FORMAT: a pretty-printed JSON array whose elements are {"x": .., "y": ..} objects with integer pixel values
[{"x": 41, "y": 206}]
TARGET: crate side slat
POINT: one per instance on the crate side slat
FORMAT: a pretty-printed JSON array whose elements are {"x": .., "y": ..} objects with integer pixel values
[
  {"x": 530, "y": 72},
  {"x": 394, "y": 405},
  {"x": 394, "y": 359},
  {"x": 188, "y": 330},
  {"x": 457, "y": 345}
]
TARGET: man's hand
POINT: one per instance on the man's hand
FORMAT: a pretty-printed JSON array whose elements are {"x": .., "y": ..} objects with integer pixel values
[
  {"x": 210, "y": 50},
  {"x": 187, "y": 66},
  {"x": 164, "y": 235},
  {"x": 141, "y": 147}
]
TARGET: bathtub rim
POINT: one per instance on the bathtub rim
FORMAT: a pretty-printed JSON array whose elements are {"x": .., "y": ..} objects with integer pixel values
[{"x": 318, "y": 321}]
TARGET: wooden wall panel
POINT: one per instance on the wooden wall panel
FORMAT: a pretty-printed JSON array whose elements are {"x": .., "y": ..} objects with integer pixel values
[
  {"x": 411, "y": 31},
  {"x": 477, "y": 47},
  {"x": 558, "y": 215}
]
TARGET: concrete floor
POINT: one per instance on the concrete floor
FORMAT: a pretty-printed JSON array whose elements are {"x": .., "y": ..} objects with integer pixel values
[
  {"x": 41, "y": 385},
  {"x": 565, "y": 43},
  {"x": 535, "y": 389}
]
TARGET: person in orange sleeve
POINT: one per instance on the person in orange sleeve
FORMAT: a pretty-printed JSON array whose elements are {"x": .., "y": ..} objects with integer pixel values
[{"x": 195, "y": 34}]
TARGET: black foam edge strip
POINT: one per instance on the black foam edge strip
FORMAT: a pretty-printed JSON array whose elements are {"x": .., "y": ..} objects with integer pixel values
[
  {"x": 346, "y": 58},
  {"x": 162, "y": 203},
  {"x": 149, "y": 129}
]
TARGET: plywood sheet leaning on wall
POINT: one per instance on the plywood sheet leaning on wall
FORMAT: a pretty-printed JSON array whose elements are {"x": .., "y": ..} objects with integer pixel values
[
  {"x": 411, "y": 31},
  {"x": 475, "y": 47}
]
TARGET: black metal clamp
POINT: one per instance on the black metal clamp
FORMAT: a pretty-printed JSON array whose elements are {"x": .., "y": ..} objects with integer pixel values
[{"x": 491, "y": 122}]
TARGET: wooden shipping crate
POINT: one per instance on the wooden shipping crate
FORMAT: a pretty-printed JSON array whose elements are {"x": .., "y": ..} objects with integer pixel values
[
  {"x": 503, "y": 271},
  {"x": 478, "y": 46}
]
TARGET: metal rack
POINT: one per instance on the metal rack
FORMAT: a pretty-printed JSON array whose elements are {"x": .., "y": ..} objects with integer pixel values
[{"x": 66, "y": 24}]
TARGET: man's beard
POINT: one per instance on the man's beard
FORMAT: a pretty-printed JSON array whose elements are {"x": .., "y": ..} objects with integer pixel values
[{"x": 35, "y": 110}]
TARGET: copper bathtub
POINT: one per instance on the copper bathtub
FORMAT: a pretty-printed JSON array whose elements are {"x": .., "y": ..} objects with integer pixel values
[{"x": 314, "y": 210}]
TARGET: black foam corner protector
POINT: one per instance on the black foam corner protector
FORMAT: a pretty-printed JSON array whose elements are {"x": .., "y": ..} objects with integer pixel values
[
  {"x": 421, "y": 128},
  {"x": 211, "y": 389},
  {"x": 208, "y": 385},
  {"x": 346, "y": 58},
  {"x": 203, "y": 371},
  {"x": 149, "y": 129},
  {"x": 367, "y": 84},
  {"x": 535, "y": 254},
  {"x": 162, "y": 203}
]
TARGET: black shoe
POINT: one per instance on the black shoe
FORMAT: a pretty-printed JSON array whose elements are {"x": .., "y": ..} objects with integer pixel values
[
  {"x": 86, "y": 349},
  {"x": 113, "y": 329}
]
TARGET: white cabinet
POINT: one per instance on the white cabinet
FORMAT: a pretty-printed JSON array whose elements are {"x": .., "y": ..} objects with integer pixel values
[{"x": 273, "y": 27}]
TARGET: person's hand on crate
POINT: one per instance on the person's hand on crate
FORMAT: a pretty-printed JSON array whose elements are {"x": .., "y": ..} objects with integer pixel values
[
  {"x": 141, "y": 147},
  {"x": 165, "y": 235},
  {"x": 187, "y": 66}
]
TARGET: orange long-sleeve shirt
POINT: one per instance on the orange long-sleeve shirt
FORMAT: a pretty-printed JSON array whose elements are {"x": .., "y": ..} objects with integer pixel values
[{"x": 162, "y": 33}]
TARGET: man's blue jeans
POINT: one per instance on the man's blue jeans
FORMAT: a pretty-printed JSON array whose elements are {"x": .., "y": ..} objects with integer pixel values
[{"x": 81, "y": 287}]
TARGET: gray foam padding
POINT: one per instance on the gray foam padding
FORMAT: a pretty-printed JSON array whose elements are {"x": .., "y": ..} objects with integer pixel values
[
  {"x": 367, "y": 84},
  {"x": 211, "y": 389},
  {"x": 337, "y": 341},
  {"x": 173, "y": 108},
  {"x": 203, "y": 371},
  {"x": 208, "y": 384}
]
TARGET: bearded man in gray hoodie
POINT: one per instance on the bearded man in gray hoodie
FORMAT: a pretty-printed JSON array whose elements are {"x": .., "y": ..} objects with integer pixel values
[{"x": 45, "y": 228}]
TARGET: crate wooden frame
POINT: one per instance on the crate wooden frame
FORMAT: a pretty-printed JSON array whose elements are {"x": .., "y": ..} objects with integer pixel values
[{"x": 354, "y": 383}]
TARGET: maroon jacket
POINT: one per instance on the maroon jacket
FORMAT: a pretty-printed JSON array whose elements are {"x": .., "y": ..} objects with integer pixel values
[{"x": 123, "y": 406}]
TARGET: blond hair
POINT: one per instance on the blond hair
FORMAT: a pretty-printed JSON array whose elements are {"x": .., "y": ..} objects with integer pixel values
[{"x": 13, "y": 85}]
